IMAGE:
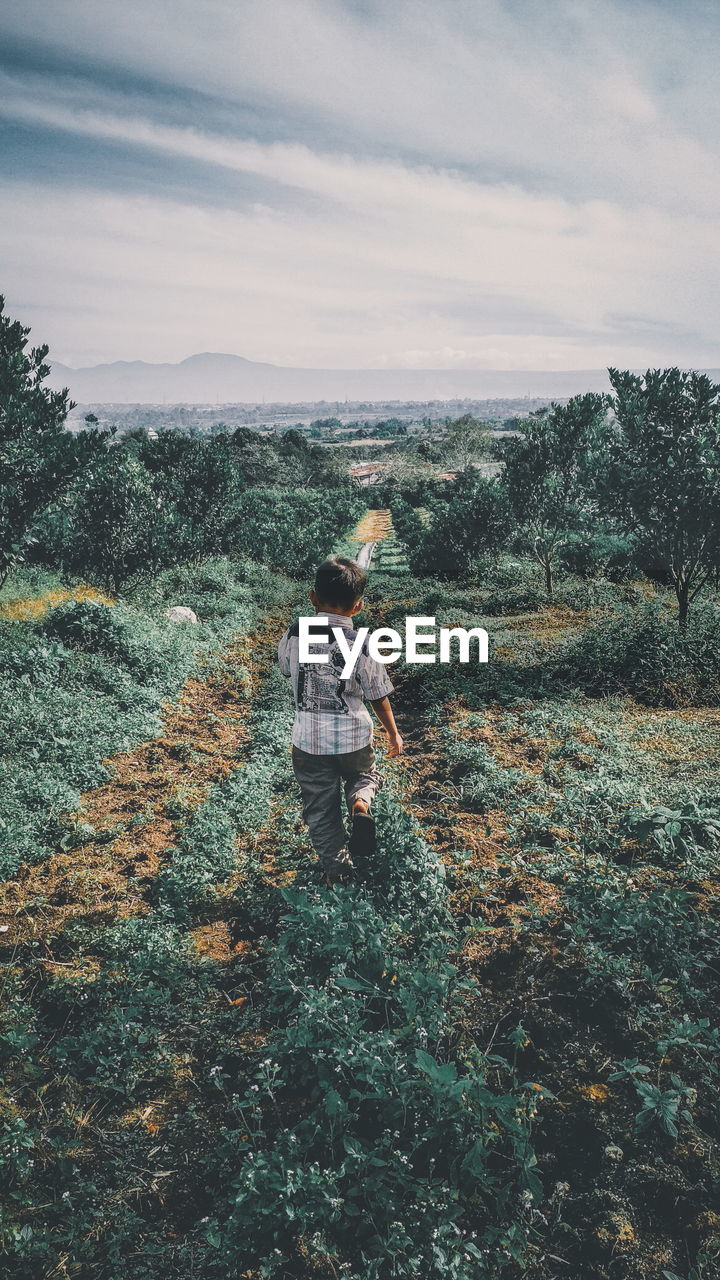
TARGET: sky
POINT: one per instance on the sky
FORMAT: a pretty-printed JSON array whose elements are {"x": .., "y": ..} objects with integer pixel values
[{"x": 499, "y": 184}]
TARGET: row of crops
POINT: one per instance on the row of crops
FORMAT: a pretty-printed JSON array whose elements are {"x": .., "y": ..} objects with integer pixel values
[
  {"x": 580, "y": 837},
  {"x": 388, "y": 553},
  {"x": 496, "y": 1054},
  {"x": 290, "y": 1100}
]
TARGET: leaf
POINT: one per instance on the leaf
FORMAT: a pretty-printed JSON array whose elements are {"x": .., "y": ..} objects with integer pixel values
[
  {"x": 334, "y": 1104},
  {"x": 425, "y": 1062},
  {"x": 352, "y": 984}
]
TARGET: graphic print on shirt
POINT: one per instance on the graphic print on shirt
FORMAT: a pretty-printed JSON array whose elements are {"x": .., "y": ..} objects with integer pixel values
[{"x": 320, "y": 685}]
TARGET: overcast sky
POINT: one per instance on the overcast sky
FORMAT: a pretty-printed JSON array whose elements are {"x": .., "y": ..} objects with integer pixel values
[{"x": 359, "y": 183}]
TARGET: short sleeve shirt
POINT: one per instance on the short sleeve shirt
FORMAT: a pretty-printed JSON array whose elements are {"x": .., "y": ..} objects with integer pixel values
[{"x": 331, "y": 717}]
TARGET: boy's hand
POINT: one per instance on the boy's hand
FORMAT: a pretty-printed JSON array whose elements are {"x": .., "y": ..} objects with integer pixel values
[{"x": 383, "y": 711}]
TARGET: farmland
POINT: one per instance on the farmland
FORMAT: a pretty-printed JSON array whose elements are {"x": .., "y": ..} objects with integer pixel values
[
  {"x": 496, "y": 1052},
  {"x": 500, "y": 1047}
]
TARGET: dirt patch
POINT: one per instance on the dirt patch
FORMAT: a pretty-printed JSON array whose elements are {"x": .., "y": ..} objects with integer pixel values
[
  {"x": 511, "y": 746},
  {"x": 215, "y": 941},
  {"x": 135, "y": 812},
  {"x": 552, "y": 623}
]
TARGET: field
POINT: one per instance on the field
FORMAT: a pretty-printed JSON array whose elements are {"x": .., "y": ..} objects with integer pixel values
[{"x": 497, "y": 1054}]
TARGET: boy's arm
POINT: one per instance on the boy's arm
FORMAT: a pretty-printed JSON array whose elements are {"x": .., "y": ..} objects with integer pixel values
[
  {"x": 284, "y": 654},
  {"x": 384, "y": 713},
  {"x": 377, "y": 685}
]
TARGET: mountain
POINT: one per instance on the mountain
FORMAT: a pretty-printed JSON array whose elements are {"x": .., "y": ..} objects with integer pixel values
[{"x": 214, "y": 378}]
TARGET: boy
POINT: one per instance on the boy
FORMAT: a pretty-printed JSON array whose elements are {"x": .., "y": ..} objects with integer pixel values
[{"x": 332, "y": 733}]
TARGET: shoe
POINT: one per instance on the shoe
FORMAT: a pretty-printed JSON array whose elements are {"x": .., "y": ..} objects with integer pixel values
[
  {"x": 362, "y": 841},
  {"x": 340, "y": 870}
]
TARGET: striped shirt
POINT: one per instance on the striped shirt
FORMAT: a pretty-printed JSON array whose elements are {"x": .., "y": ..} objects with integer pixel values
[{"x": 330, "y": 713}]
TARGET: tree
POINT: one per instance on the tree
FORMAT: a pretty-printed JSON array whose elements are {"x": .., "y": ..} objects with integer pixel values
[
  {"x": 122, "y": 531},
  {"x": 255, "y": 457},
  {"x": 547, "y": 473},
  {"x": 39, "y": 458},
  {"x": 465, "y": 441},
  {"x": 662, "y": 480},
  {"x": 294, "y": 529},
  {"x": 476, "y": 521},
  {"x": 408, "y": 524},
  {"x": 401, "y": 471},
  {"x": 200, "y": 479}
]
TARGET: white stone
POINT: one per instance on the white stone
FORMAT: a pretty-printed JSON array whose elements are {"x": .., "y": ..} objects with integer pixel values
[{"x": 179, "y": 613}]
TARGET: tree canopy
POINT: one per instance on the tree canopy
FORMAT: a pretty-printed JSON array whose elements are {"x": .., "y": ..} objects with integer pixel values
[
  {"x": 547, "y": 473},
  {"x": 662, "y": 478},
  {"x": 39, "y": 458}
]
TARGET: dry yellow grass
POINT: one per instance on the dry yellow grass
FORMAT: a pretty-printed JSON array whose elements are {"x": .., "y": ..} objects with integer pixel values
[
  {"x": 31, "y": 610},
  {"x": 375, "y": 526}
]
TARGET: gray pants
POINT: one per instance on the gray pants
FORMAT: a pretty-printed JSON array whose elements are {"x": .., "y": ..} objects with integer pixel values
[{"x": 319, "y": 778}]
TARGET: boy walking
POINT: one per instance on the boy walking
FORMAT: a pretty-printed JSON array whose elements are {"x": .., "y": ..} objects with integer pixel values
[{"x": 333, "y": 730}]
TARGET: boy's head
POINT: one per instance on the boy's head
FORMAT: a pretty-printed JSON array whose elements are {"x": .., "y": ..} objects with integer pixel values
[{"x": 339, "y": 586}]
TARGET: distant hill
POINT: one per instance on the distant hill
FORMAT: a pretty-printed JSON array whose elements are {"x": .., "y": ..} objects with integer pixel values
[{"x": 214, "y": 378}]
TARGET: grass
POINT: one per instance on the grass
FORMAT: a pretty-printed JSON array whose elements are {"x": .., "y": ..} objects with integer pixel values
[
  {"x": 86, "y": 681},
  {"x": 497, "y": 1055},
  {"x": 31, "y": 609}
]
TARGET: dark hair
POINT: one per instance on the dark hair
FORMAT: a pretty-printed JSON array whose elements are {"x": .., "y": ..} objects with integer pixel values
[{"x": 339, "y": 581}]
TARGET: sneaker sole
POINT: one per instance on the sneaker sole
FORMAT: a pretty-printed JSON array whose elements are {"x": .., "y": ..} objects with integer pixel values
[{"x": 362, "y": 843}]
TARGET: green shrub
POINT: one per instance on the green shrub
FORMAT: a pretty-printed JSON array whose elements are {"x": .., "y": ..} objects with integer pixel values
[
  {"x": 627, "y": 936},
  {"x": 293, "y": 529},
  {"x": 597, "y": 593},
  {"x": 513, "y": 600},
  {"x": 685, "y": 837},
  {"x": 476, "y": 521},
  {"x": 595, "y": 555},
  {"x": 643, "y": 652},
  {"x": 123, "y": 635},
  {"x": 90, "y": 625}
]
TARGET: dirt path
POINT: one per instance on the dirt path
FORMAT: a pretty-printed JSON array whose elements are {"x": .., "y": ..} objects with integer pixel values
[
  {"x": 134, "y": 815},
  {"x": 374, "y": 527},
  {"x": 365, "y": 555}
]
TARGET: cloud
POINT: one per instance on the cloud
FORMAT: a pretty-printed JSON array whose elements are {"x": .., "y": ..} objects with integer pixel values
[
  {"x": 565, "y": 91},
  {"x": 367, "y": 184}
]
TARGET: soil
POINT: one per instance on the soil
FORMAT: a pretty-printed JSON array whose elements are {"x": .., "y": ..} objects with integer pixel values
[{"x": 132, "y": 815}]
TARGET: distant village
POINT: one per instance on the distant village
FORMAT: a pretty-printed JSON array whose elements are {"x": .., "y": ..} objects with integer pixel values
[{"x": 333, "y": 422}]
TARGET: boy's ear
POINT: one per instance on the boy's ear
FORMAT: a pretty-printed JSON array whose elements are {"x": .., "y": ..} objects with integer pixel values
[
  {"x": 314, "y": 599},
  {"x": 356, "y": 607}
]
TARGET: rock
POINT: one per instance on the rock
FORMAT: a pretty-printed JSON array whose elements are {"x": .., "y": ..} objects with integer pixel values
[
  {"x": 179, "y": 613},
  {"x": 613, "y": 1153}
]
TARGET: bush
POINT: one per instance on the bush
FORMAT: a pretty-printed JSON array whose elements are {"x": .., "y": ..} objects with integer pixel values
[
  {"x": 115, "y": 529},
  {"x": 512, "y": 600},
  {"x": 477, "y": 520},
  {"x": 608, "y": 555},
  {"x": 597, "y": 593},
  {"x": 122, "y": 634},
  {"x": 89, "y": 625},
  {"x": 294, "y": 529},
  {"x": 643, "y": 652},
  {"x": 226, "y": 594}
]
